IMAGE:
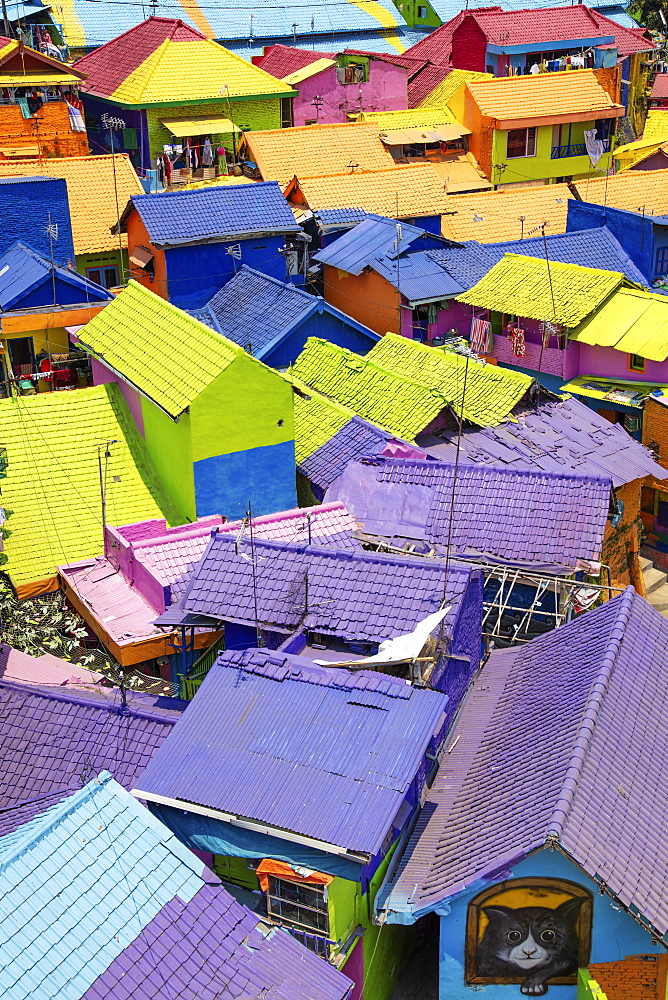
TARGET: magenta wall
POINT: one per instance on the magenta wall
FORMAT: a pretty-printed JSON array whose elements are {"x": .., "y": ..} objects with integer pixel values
[
  {"x": 606, "y": 362},
  {"x": 385, "y": 90},
  {"x": 102, "y": 376},
  {"x": 354, "y": 969},
  {"x": 457, "y": 317}
]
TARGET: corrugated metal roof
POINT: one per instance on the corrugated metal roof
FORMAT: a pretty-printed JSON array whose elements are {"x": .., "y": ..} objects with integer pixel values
[
  {"x": 22, "y": 270},
  {"x": 516, "y": 742},
  {"x": 82, "y": 917},
  {"x": 374, "y": 238},
  {"x": 339, "y": 775},
  {"x": 545, "y": 520},
  {"x": 631, "y": 321}
]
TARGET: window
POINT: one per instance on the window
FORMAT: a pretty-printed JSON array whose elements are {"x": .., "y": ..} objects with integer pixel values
[
  {"x": 662, "y": 260},
  {"x": 105, "y": 276},
  {"x": 422, "y": 12},
  {"x": 287, "y": 114},
  {"x": 636, "y": 363},
  {"x": 521, "y": 142},
  {"x": 299, "y": 905}
]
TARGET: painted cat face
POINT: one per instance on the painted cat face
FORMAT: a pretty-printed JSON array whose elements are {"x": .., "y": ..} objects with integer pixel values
[{"x": 530, "y": 937}]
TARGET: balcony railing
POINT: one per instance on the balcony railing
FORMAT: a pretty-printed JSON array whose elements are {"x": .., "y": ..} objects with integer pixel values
[{"x": 575, "y": 149}]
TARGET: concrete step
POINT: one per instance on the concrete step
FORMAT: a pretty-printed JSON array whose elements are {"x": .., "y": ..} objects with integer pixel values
[
  {"x": 654, "y": 578},
  {"x": 659, "y": 598},
  {"x": 645, "y": 563}
]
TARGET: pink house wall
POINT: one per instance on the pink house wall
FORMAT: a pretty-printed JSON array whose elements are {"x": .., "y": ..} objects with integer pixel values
[
  {"x": 606, "y": 362},
  {"x": 385, "y": 90},
  {"x": 102, "y": 376},
  {"x": 456, "y": 317}
]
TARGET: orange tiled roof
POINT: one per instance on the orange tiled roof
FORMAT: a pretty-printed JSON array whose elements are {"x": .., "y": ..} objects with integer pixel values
[
  {"x": 494, "y": 216},
  {"x": 547, "y": 95},
  {"x": 398, "y": 192},
  {"x": 91, "y": 193},
  {"x": 635, "y": 190}
]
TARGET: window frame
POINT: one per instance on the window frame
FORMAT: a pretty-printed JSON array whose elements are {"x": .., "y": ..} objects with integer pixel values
[
  {"x": 661, "y": 266},
  {"x": 530, "y": 140},
  {"x": 422, "y": 16},
  {"x": 277, "y": 916},
  {"x": 100, "y": 269},
  {"x": 636, "y": 363}
]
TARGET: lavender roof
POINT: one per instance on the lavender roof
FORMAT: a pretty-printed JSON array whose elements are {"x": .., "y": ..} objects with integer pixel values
[
  {"x": 91, "y": 921},
  {"x": 545, "y": 520},
  {"x": 356, "y": 439},
  {"x": 339, "y": 775},
  {"x": 353, "y": 595},
  {"x": 54, "y": 740},
  {"x": 564, "y": 436},
  {"x": 560, "y": 741}
]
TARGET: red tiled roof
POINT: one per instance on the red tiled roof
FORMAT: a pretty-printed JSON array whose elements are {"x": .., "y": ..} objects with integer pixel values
[
  {"x": 424, "y": 81},
  {"x": 408, "y": 62},
  {"x": 111, "y": 64},
  {"x": 437, "y": 46},
  {"x": 660, "y": 88},
  {"x": 629, "y": 40},
  {"x": 281, "y": 60}
]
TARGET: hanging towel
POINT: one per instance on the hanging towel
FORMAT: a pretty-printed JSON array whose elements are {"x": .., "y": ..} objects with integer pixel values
[
  {"x": 548, "y": 330},
  {"x": 480, "y": 336},
  {"x": 77, "y": 123},
  {"x": 207, "y": 153},
  {"x": 23, "y": 104},
  {"x": 517, "y": 341},
  {"x": 595, "y": 147}
]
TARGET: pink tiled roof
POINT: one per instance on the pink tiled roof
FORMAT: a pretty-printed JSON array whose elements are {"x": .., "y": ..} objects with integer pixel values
[
  {"x": 281, "y": 60},
  {"x": 424, "y": 81},
  {"x": 297, "y": 525},
  {"x": 46, "y": 670},
  {"x": 660, "y": 88}
]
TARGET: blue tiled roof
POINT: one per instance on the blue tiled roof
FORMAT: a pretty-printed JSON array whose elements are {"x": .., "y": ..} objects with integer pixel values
[
  {"x": 587, "y": 247},
  {"x": 447, "y": 9},
  {"x": 255, "y": 310},
  {"x": 23, "y": 270},
  {"x": 339, "y": 775},
  {"x": 370, "y": 41},
  {"x": 339, "y": 217},
  {"x": 355, "y": 439},
  {"x": 89, "y": 918},
  {"x": 178, "y": 217}
]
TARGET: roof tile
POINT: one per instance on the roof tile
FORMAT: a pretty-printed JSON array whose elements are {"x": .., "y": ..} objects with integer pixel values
[
  {"x": 631, "y": 321},
  {"x": 507, "y": 214},
  {"x": 402, "y": 191},
  {"x": 643, "y": 191}
]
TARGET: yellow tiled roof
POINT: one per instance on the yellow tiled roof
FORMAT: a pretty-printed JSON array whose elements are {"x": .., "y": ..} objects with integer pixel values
[
  {"x": 656, "y": 124},
  {"x": 413, "y": 118},
  {"x": 461, "y": 173},
  {"x": 635, "y": 190},
  {"x": 50, "y": 72},
  {"x": 400, "y": 192},
  {"x": 194, "y": 71},
  {"x": 316, "y": 150},
  {"x": 308, "y": 71},
  {"x": 91, "y": 193},
  {"x": 543, "y": 95},
  {"x": 52, "y": 486},
  {"x": 632, "y": 321},
  {"x": 442, "y": 93},
  {"x": 494, "y": 216},
  {"x": 533, "y": 288}
]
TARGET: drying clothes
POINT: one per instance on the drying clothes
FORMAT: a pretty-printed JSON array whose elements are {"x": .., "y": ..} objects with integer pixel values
[
  {"x": 535, "y": 69},
  {"x": 517, "y": 342},
  {"x": 549, "y": 330},
  {"x": 481, "y": 336},
  {"x": 23, "y": 104},
  {"x": 595, "y": 147},
  {"x": 77, "y": 123},
  {"x": 207, "y": 153}
]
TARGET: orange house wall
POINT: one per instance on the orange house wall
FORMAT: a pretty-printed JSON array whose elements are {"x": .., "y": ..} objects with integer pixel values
[
  {"x": 138, "y": 236},
  {"x": 54, "y": 135},
  {"x": 367, "y": 297}
]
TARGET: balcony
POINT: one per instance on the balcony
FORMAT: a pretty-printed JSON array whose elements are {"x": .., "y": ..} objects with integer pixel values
[{"x": 575, "y": 149}]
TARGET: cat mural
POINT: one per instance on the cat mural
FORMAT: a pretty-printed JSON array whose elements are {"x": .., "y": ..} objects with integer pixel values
[{"x": 534, "y": 941}]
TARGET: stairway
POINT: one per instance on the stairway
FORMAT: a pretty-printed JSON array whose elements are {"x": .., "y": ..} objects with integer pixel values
[{"x": 656, "y": 585}]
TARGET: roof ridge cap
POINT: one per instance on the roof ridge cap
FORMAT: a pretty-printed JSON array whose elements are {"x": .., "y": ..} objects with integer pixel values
[{"x": 587, "y": 725}]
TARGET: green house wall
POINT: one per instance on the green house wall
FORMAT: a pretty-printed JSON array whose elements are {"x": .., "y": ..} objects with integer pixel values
[
  {"x": 541, "y": 166},
  {"x": 169, "y": 444},
  {"x": 256, "y": 115}
]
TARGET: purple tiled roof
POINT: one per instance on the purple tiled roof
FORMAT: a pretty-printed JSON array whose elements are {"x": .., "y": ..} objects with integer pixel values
[
  {"x": 54, "y": 740},
  {"x": 545, "y": 520},
  {"x": 356, "y": 439},
  {"x": 561, "y": 740},
  {"x": 322, "y": 752},
  {"x": 353, "y": 595},
  {"x": 564, "y": 436}
]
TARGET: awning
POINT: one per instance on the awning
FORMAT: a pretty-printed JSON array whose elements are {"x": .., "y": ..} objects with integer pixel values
[
  {"x": 211, "y": 125},
  {"x": 439, "y": 133},
  {"x": 615, "y": 390},
  {"x": 141, "y": 256}
]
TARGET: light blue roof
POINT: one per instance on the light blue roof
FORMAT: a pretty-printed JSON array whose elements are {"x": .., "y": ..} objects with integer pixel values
[
  {"x": 447, "y": 9},
  {"x": 375, "y": 237},
  {"x": 255, "y": 310}
]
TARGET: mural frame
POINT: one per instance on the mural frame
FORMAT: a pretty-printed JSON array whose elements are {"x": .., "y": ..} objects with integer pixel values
[{"x": 574, "y": 889}]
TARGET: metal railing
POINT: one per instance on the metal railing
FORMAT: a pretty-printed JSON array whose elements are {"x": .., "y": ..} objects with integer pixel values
[
  {"x": 320, "y": 945},
  {"x": 191, "y": 681},
  {"x": 575, "y": 149}
]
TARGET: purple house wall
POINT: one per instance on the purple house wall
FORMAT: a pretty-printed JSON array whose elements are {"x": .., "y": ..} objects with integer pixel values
[{"x": 385, "y": 90}]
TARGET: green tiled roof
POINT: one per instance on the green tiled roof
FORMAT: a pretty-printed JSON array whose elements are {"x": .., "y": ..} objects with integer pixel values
[
  {"x": 533, "y": 288},
  {"x": 52, "y": 492},
  {"x": 167, "y": 354},
  {"x": 491, "y": 392},
  {"x": 317, "y": 419},
  {"x": 399, "y": 404}
]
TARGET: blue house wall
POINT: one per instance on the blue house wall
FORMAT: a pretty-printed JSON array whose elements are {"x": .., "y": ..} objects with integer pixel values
[
  {"x": 66, "y": 295},
  {"x": 136, "y": 145},
  {"x": 615, "y": 934},
  {"x": 453, "y": 674},
  {"x": 269, "y": 475},
  {"x": 29, "y": 204},
  {"x": 196, "y": 272},
  {"x": 640, "y": 236},
  {"x": 319, "y": 324}
]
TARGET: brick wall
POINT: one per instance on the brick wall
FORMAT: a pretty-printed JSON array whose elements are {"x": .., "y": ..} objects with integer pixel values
[
  {"x": 655, "y": 430},
  {"x": 610, "y": 79},
  {"x": 54, "y": 135},
  {"x": 549, "y": 360},
  {"x": 256, "y": 115},
  {"x": 621, "y": 545},
  {"x": 469, "y": 46}
]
